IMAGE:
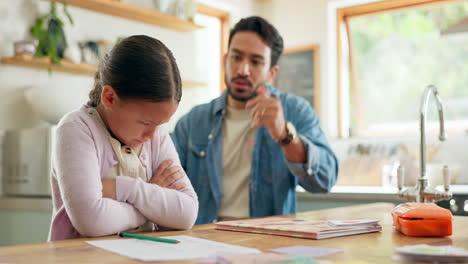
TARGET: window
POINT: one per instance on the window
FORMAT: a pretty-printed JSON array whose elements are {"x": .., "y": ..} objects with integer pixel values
[{"x": 394, "y": 53}]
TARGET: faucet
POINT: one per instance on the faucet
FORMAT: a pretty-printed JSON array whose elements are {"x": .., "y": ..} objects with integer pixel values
[{"x": 422, "y": 191}]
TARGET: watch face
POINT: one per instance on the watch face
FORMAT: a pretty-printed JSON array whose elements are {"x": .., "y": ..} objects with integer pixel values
[
  {"x": 291, "y": 134},
  {"x": 291, "y": 129}
]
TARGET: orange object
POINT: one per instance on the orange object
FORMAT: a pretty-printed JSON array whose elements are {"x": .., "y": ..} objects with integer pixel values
[{"x": 422, "y": 219}]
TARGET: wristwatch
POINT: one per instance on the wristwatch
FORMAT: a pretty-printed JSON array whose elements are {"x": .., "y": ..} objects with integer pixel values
[{"x": 290, "y": 134}]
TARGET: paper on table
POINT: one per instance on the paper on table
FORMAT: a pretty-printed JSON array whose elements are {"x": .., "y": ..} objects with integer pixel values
[
  {"x": 362, "y": 222},
  {"x": 352, "y": 262},
  {"x": 306, "y": 251},
  {"x": 188, "y": 248},
  {"x": 257, "y": 258},
  {"x": 439, "y": 254}
]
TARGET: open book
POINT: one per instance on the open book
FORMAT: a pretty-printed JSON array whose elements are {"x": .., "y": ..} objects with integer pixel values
[{"x": 312, "y": 229}]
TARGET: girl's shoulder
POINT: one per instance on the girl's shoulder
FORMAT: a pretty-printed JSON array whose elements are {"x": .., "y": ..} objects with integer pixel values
[{"x": 79, "y": 120}]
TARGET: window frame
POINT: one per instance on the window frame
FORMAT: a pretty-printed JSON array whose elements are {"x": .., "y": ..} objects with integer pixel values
[
  {"x": 224, "y": 19},
  {"x": 345, "y": 56}
]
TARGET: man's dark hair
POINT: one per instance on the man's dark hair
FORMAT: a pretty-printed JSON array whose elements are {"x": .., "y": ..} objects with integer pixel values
[
  {"x": 265, "y": 30},
  {"x": 139, "y": 67}
]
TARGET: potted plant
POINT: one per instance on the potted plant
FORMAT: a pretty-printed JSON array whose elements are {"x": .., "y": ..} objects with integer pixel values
[{"x": 48, "y": 30}]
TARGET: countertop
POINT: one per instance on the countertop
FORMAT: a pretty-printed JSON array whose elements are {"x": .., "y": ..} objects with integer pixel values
[
  {"x": 353, "y": 193},
  {"x": 375, "y": 247},
  {"x": 368, "y": 193}
]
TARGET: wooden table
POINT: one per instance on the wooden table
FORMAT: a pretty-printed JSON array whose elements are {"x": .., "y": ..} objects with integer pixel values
[{"x": 373, "y": 248}]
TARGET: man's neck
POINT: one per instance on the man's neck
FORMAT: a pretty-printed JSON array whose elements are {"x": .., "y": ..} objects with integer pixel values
[{"x": 234, "y": 103}]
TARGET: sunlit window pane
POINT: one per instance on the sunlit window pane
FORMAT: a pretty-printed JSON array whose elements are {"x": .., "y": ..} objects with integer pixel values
[{"x": 397, "y": 54}]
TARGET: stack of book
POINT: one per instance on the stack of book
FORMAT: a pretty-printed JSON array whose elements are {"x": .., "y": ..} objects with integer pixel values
[{"x": 312, "y": 229}]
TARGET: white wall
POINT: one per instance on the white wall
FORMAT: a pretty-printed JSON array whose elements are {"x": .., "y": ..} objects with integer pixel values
[
  {"x": 300, "y": 22},
  {"x": 237, "y": 8}
]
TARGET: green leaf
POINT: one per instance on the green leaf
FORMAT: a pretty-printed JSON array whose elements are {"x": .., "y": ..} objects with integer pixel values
[
  {"x": 48, "y": 30},
  {"x": 56, "y": 60},
  {"x": 59, "y": 21},
  {"x": 65, "y": 10},
  {"x": 39, "y": 21},
  {"x": 53, "y": 9},
  {"x": 39, "y": 52},
  {"x": 37, "y": 30},
  {"x": 41, "y": 35}
]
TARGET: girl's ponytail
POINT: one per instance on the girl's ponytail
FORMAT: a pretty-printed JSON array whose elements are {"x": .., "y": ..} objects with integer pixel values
[{"x": 95, "y": 93}]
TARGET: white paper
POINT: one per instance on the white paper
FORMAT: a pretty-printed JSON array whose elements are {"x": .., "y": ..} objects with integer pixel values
[
  {"x": 352, "y": 223},
  {"x": 188, "y": 248},
  {"x": 439, "y": 254}
]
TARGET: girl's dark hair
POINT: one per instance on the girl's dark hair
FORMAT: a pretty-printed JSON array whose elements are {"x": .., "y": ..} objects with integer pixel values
[
  {"x": 138, "y": 67},
  {"x": 265, "y": 30}
]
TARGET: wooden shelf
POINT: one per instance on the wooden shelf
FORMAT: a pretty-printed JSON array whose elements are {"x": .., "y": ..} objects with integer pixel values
[
  {"x": 119, "y": 9},
  {"x": 29, "y": 61}
]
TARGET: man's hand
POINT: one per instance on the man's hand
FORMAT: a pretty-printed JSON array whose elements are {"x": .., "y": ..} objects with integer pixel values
[
  {"x": 268, "y": 112},
  {"x": 165, "y": 176},
  {"x": 109, "y": 188}
]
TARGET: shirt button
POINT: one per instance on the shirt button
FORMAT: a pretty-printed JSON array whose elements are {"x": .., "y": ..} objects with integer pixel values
[
  {"x": 128, "y": 150},
  {"x": 309, "y": 171},
  {"x": 210, "y": 136},
  {"x": 202, "y": 153}
]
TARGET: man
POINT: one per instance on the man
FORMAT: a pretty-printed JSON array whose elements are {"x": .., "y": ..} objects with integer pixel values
[{"x": 246, "y": 151}]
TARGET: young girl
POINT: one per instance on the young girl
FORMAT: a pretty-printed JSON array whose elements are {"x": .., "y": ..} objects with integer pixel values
[{"x": 114, "y": 167}]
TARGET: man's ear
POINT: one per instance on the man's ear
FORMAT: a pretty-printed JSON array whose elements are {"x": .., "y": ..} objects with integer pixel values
[
  {"x": 109, "y": 97},
  {"x": 273, "y": 72}
]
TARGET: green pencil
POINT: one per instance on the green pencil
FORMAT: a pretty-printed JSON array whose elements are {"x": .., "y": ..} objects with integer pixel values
[{"x": 157, "y": 239}]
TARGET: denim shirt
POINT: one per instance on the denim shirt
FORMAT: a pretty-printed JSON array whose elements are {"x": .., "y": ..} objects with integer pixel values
[{"x": 199, "y": 141}]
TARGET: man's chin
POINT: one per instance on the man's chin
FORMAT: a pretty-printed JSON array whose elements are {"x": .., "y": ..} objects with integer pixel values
[{"x": 241, "y": 98}]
